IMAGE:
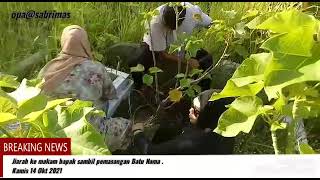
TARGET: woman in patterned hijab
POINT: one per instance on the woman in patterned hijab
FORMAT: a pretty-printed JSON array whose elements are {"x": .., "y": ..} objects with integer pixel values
[{"x": 74, "y": 73}]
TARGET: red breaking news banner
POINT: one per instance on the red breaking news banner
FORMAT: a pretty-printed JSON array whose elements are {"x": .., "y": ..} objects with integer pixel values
[{"x": 33, "y": 146}]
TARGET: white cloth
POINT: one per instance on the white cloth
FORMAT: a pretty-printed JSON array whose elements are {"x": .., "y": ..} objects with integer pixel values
[{"x": 162, "y": 37}]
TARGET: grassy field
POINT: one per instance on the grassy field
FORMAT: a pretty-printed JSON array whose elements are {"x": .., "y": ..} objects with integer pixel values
[
  {"x": 27, "y": 44},
  {"x": 33, "y": 42}
]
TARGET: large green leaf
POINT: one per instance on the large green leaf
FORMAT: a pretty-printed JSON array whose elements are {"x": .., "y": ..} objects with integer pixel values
[
  {"x": 296, "y": 33},
  {"x": 287, "y": 21},
  {"x": 45, "y": 121},
  {"x": 7, "y": 105},
  {"x": 50, "y": 120},
  {"x": 288, "y": 43},
  {"x": 8, "y": 108},
  {"x": 240, "y": 117},
  {"x": 231, "y": 90},
  {"x": 280, "y": 103},
  {"x": 75, "y": 109},
  {"x": 34, "y": 104},
  {"x": 7, "y": 96},
  {"x": 4, "y": 117},
  {"x": 36, "y": 114},
  {"x": 72, "y": 122},
  {"x": 285, "y": 70},
  {"x": 247, "y": 80},
  {"x": 174, "y": 48},
  {"x": 252, "y": 69},
  {"x": 8, "y": 81},
  {"x": 84, "y": 137},
  {"x": 296, "y": 55}
]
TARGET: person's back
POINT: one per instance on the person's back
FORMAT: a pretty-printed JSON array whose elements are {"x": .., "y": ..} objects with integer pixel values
[
  {"x": 163, "y": 26},
  {"x": 211, "y": 143},
  {"x": 74, "y": 73},
  {"x": 195, "y": 141},
  {"x": 161, "y": 33},
  {"x": 88, "y": 81},
  {"x": 191, "y": 141}
]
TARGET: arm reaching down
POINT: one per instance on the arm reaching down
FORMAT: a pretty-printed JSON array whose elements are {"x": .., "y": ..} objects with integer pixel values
[{"x": 193, "y": 63}]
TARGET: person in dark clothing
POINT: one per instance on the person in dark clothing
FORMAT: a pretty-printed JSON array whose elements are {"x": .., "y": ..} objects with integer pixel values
[
  {"x": 196, "y": 139},
  {"x": 168, "y": 127}
]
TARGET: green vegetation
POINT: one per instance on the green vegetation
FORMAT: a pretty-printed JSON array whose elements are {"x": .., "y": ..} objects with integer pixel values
[
  {"x": 275, "y": 43},
  {"x": 26, "y": 113}
]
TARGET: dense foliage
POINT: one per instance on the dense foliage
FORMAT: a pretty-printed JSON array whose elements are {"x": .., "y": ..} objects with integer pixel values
[
  {"x": 275, "y": 45},
  {"x": 27, "y": 113}
]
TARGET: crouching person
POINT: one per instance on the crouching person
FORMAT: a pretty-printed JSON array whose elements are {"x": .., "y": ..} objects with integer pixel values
[
  {"x": 163, "y": 32},
  {"x": 196, "y": 139},
  {"x": 74, "y": 74}
]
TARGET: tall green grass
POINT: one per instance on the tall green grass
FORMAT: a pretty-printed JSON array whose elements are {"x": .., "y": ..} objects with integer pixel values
[
  {"x": 217, "y": 11},
  {"x": 22, "y": 39},
  {"x": 27, "y": 44}
]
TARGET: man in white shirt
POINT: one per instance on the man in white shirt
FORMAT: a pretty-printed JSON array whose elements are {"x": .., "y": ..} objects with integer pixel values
[{"x": 164, "y": 33}]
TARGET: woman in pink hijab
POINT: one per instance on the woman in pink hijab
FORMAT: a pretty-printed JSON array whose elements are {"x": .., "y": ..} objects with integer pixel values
[{"x": 74, "y": 73}]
